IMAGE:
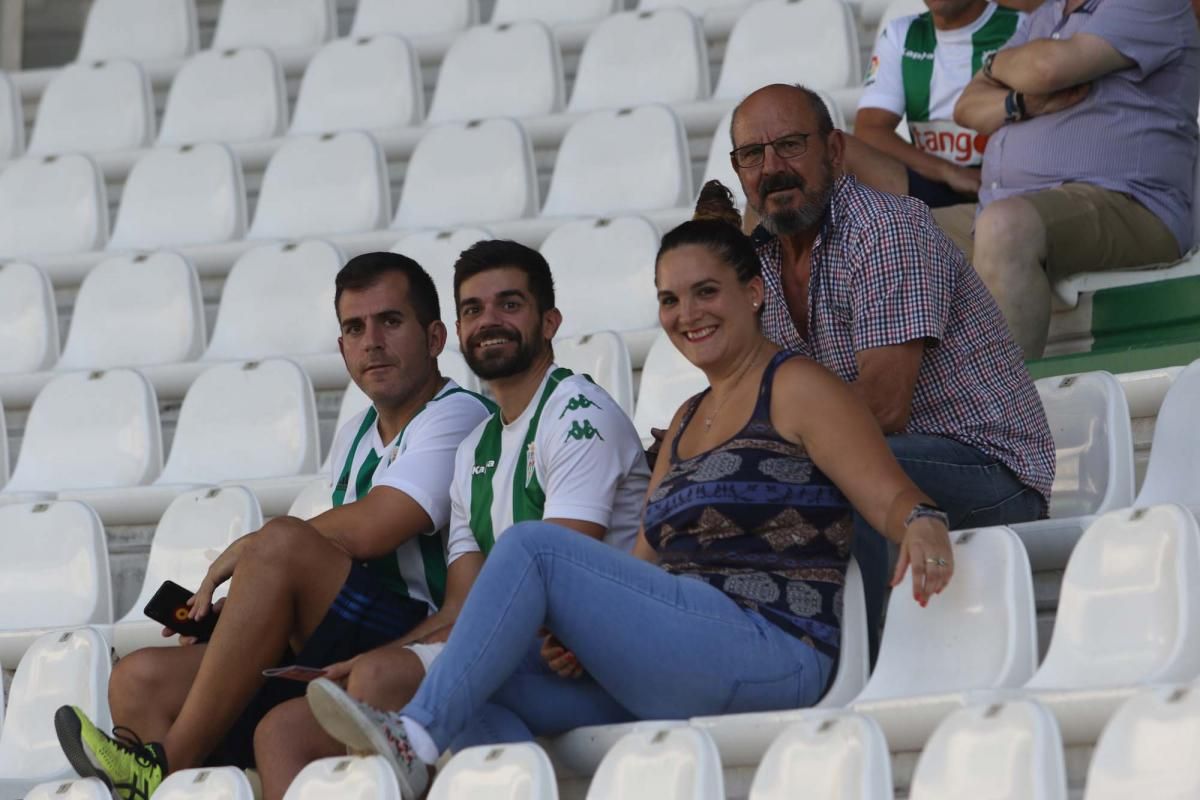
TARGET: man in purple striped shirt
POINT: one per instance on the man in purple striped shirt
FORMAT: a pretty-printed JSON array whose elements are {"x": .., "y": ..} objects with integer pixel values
[{"x": 1091, "y": 108}]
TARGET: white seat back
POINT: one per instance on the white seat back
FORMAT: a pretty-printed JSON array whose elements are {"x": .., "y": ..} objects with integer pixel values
[
  {"x": 1171, "y": 474},
  {"x": 3, "y": 461},
  {"x": 1093, "y": 442},
  {"x": 854, "y": 657},
  {"x": 669, "y": 763},
  {"x": 135, "y": 311},
  {"x": 314, "y": 499},
  {"x": 77, "y": 789},
  {"x": 642, "y": 57},
  {"x": 1148, "y": 748},
  {"x": 143, "y": 30},
  {"x": 554, "y": 12},
  {"x": 245, "y": 421},
  {"x": 891, "y": 10},
  {"x": 618, "y": 162},
  {"x": 979, "y": 633},
  {"x": 436, "y": 252},
  {"x": 345, "y": 777},
  {"x": 365, "y": 83},
  {"x": 196, "y": 527},
  {"x": 322, "y": 185},
  {"x": 12, "y": 120},
  {"x": 55, "y": 569},
  {"x": 28, "y": 319},
  {"x": 1009, "y": 751},
  {"x": 814, "y": 42},
  {"x": 719, "y": 166},
  {"x": 450, "y": 165},
  {"x": 508, "y": 70},
  {"x": 520, "y": 771},
  {"x": 668, "y": 379},
  {"x": 60, "y": 668},
  {"x": 299, "y": 280},
  {"x": 841, "y": 756},
  {"x": 94, "y": 107},
  {"x": 1136, "y": 571},
  {"x": 277, "y": 24},
  {"x": 226, "y": 96},
  {"x": 414, "y": 17},
  {"x": 604, "y": 356},
  {"x": 697, "y": 7},
  {"x": 220, "y": 783},
  {"x": 452, "y": 365},
  {"x": 181, "y": 196},
  {"x": 52, "y": 205},
  {"x": 94, "y": 430}
]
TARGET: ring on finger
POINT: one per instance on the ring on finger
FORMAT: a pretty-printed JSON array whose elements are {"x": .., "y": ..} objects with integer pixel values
[{"x": 937, "y": 562}]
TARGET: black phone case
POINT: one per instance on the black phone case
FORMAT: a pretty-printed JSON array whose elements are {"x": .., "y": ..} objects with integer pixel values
[{"x": 169, "y": 606}]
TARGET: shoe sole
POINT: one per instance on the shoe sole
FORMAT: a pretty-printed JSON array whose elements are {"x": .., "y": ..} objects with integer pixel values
[{"x": 70, "y": 738}]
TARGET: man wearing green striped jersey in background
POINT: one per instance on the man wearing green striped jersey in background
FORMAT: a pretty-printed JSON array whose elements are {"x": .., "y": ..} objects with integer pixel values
[
  {"x": 559, "y": 448},
  {"x": 366, "y": 572},
  {"x": 920, "y": 66}
]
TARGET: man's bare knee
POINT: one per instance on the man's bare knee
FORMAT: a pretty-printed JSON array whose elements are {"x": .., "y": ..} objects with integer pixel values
[
  {"x": 386, "y": 679},
  {"x": 285, "y": 541},
  {"x": 1009, "y": 227}
]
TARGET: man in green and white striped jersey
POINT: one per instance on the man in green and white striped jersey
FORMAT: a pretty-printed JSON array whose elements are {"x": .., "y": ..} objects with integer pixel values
[{"x": 366, "y": 572}]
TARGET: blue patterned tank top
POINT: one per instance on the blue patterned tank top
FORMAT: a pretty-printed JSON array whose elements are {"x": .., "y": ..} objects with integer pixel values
[{"x": 755, "y": 518}]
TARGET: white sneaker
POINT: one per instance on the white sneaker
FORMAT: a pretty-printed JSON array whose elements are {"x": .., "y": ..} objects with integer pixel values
[{"x": 366, "y": 730}]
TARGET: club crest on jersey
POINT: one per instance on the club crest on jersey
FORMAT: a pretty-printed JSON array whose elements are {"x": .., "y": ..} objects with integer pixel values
[
  {"x": 393, "y": 453},
  {"x": 530, "y": 466},
  {"x": 480, "y": 469},
  {"x": 872, "y": 70}
]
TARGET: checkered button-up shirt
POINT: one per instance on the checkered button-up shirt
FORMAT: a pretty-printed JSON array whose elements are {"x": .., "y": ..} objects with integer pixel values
[{"x": 884, "y": 274}]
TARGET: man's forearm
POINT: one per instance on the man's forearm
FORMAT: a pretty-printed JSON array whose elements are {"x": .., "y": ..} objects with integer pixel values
[
  {"x": 1031, "y": 68},
  {"x": 889, "y": 143},
  {"x": 981, "y": 106}
]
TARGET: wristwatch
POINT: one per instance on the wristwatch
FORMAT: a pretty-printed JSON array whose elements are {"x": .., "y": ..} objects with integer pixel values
[
  {"x": 1014, "y": 106},
  {"x": 987, "y": 64},
  {"x": 927, "y": 510}
]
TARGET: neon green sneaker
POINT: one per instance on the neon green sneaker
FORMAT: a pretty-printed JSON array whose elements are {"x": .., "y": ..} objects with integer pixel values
[{"x": 130, "y": 769}]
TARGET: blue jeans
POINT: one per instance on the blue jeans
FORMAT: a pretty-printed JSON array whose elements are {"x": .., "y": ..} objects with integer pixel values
[
  {"x": 974, "y": 488},
  {"x": 655, "y": 646}
]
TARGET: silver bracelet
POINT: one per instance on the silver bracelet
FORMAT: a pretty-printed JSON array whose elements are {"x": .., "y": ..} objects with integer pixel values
[{"x": 926, "y": 510}]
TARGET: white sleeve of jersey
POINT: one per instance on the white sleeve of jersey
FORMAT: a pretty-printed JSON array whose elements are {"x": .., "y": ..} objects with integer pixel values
[
  {"x": 461, "y": 541},
  {"x": 425, "y": 470},
  {"x": 884, "y": 85},
  {"x": 586, "y": 446}
]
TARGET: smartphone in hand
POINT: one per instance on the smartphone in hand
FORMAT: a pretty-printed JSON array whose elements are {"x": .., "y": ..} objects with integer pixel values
[
  {"x": 295, "y": 672},
  {"x": 169, "y": 607}
]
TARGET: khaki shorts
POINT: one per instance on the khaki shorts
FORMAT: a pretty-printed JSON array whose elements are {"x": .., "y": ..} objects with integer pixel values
[{"x": 1088, "y": 229}]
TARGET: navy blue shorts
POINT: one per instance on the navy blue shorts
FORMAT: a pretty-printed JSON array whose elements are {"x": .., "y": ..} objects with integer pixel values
[
  {"x": 934, "y": 193},
  {"x": 364, "y": 615}
]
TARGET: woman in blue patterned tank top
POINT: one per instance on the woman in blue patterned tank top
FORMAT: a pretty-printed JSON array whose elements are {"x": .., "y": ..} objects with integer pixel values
[{"x": 734, "y": 601}]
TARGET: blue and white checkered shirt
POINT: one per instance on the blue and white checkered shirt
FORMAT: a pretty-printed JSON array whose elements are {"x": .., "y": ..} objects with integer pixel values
[{"x": 883, "y": 274}]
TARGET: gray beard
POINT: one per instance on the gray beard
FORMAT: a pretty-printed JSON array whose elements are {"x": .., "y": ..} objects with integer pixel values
[{"x": 791, "y": 221}]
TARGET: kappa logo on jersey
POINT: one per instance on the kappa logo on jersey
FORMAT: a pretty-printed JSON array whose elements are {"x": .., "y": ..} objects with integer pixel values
[
  {"x": 479, "y": 469},
  {"x": 585, "y": 431},
  {"x": 576, "y": 403}
]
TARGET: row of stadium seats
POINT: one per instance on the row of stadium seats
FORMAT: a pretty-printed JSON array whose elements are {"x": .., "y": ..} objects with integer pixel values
[{"x": 968, "y": 659}]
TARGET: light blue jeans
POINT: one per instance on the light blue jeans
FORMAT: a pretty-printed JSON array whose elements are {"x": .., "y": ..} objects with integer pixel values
[{"x": 655, "y": 646}]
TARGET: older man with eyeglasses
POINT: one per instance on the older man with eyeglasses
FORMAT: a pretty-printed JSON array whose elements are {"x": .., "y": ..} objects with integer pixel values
[{"x": 868, "y": 285}]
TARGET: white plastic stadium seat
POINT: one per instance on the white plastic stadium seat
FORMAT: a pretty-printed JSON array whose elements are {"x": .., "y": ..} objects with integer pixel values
[
  {"x": 1002, "y": 751},
  {"x": 96, "y": 430},
  {"x": 604, "y": 272},
  {"x": 667, "y": 763},
  {"x": 1148, "y": 749},
  {"x": 277, "y": 24},
  {"x": 414, "y": 18},
  {"x": 893, "y": 9},
  {"x": 508, "y": 70},
  {"x": 3, "y": 469},
  {"x": 55, "y": 573},
  {"x": 697, "y": 7},
  {"x": 1175, "y": 451},
  {"x": 28, "y": 319},
  {"x": 979, "y": 633},
  {"x": 814, "y": 42},
  {"x": 366, "y": 83},
  {"x": 520, "y": 771},
  {"x": 443, "y": 186},
  {"x": 315, "y": 498},
  {"x": 179, "y": 196},
  {"x": 12, "y": 120},
  {"x": 620, "y": 162},
  {"x": 143, "y": 30},
  {"x": 668, "y": 379},
  {"x": 196, "y": 527},
  {"x": 719, "y": 165},
  {"x": 219, "y": 783},
  {"x": 554, "y": 12},
  {"x": 452, "y": 365},
  {"x": 604, "y": 356},
  {"x": 136, "y": 311},
  {"x": 642, "y": 57},
  {"x": 854, "y": 661},
  {"x": 94, "y": 107},
  {"x": 345, "y": 777},
  {"x": 299, "y": 280},
  {"x": 61, "y": 668},
  {"x": 70, "y": 789},
  {"x": 226, "y": 96},
  {"x": 436, "y": 252},
  {"x": 841, "y": 756},
  {"x": 1127, "y": 616},
  {"x": 321, "y": 185},
  {"x": 52, "y": 205}
]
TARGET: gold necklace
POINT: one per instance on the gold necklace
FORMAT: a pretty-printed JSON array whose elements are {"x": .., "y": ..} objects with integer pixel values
[{"x": 708, "y": 420}]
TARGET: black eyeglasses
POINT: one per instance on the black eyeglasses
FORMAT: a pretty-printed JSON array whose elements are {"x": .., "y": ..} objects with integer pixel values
[{"x": 791, "y": 146}]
